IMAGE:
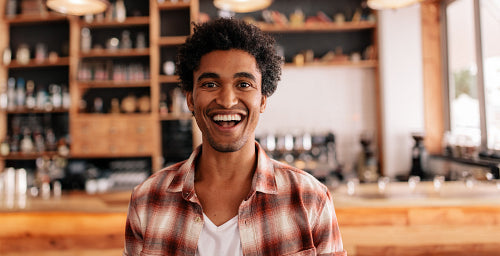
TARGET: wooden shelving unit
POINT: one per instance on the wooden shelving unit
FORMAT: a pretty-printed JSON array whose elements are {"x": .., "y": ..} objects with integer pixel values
[
  {"x": 103, "y": 53},
  {"x": 317, "y": 27},
  {"x": 113, "y": 84},
  {"x": 29, "y": 156},
  {"x": 174, "y": 6},
  {"x": 129, "y": 22},
  {"x": 161, "y": 43},
  {"x": 60, "y": 61},
  {"x": 171, "y": 40},
  {"x": 30, "y": 19},
  {"x": 352, "y": 64},
  {"x": 36, "y": 111}
]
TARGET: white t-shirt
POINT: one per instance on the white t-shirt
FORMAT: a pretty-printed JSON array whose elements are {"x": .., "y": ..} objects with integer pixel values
[{"x": 219, "y": 240}]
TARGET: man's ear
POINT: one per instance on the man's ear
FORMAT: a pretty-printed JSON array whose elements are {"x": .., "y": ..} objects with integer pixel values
[
  {"x": 189, "y": 100},
  {"x": 263, "y": 103}
]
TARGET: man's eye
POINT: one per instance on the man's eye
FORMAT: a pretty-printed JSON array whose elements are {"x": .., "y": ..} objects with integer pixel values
[
  {"x": 210, "y": 85},
  {"x": 244, "y": 85}
]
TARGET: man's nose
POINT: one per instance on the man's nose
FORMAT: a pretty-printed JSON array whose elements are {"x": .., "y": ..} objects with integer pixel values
[{"x": 227, "y": 97}]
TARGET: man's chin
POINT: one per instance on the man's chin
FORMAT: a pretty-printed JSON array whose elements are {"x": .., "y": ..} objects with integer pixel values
[{"x": 227, "y": 147}]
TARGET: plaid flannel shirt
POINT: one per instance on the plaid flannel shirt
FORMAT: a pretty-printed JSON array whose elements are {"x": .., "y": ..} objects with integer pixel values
[{"x": 287, "y": 212}]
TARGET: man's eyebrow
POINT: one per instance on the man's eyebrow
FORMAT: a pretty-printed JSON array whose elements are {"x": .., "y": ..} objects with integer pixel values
[
  {"x": 207, "y": 75},
  {"x": 245, "y": 74}
]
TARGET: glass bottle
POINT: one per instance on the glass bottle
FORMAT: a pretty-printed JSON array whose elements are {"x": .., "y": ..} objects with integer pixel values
[
  {"x": 20, "y": 93},
  {"x": 121, "y": 11},
  {"x": 418, "y": 156}
]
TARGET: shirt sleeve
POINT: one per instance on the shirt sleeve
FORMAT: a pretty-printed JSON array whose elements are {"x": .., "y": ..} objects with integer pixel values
[
  {"x": 133, "y": 234},
  {"x": 326, "y": 233}
]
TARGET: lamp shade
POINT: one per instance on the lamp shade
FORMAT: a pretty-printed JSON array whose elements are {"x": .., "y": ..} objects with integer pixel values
[
  {"x": 78, "y": 7},
  {"x": 242, "y": 5},
  {"x": 390, "y": 4}
]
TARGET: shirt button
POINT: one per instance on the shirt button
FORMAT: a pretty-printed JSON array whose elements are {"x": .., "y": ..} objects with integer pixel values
[{"x": 197, "y": 219}]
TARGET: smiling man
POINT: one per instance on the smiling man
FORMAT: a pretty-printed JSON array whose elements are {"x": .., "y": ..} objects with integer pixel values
[{"x": 229, "y": 197}]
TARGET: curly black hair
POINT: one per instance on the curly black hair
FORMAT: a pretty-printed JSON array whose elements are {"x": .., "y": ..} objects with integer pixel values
[{"x": 226, "y": 34}]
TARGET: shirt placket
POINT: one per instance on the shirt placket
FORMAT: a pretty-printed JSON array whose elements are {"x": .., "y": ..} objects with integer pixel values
[{"x": 247, "y": 233}]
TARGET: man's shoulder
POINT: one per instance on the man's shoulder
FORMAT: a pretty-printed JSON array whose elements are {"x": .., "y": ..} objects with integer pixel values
[
  {"x": 159, "y": 180},
  {"x": 289, "y": 177}
]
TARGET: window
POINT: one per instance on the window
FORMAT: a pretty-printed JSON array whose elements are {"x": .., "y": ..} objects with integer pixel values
[{"x": 473, "y": 71}]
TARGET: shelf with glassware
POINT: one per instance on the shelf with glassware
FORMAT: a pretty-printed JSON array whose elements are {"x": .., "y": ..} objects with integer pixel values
[{"x": 35, "y": 100}]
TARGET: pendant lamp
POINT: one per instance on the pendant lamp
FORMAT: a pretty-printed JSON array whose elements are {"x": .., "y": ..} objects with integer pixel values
[
  {"x": 78, "y": 7},
  {"x": 242, "y": 5},
  {"x": 390, "y": 4}
]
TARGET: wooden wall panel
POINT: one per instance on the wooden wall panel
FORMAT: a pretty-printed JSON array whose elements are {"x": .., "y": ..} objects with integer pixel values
[{"x": 432, "y": 76}]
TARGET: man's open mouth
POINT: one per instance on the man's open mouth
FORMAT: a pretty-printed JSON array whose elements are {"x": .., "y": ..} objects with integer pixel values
[{"x": 227, "y": 120}]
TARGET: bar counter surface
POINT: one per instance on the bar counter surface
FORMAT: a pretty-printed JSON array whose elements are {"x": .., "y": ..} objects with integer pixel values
[{"x": 458, "y": 220}]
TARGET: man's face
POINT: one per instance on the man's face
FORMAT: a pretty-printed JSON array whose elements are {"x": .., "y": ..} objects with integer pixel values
[{"x": 227, "y": 99}]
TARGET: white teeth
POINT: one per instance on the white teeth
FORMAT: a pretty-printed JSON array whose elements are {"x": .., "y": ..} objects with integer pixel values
[{"x": 227, "y": 118}]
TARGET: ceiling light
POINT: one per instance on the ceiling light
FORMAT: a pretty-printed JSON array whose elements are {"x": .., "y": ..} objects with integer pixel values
[
  {"x": 242, "y": 5},
  {"x": 78, "y": 7},
  {"x": 390, "y": 4}
]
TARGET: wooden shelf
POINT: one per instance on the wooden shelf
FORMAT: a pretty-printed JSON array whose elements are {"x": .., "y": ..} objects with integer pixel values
[
  {"x": 167, "y": 5},
  {"x": 118, "y": 53},
  {"x": 36, "y": 111},
  {"x": 113, "y": 115},
  {"x": 182, "y": 116},
  {"x": 169, "y": 79},
  {"x": 353, "y": 64},
  {"x": 317, "y": 27},
  {"x": 171, "y": 40},
  {"x": 29, "y": 156},
  {"x": 35, "y": 18},
  {"x": 130, "y": 21},
  {"x": 113, "y": 84},
  {"x": 61, "y": 61},
  {"x": 109, "y": 155}
]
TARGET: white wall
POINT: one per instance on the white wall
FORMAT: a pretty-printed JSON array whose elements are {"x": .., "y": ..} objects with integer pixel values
[
  {"x": 321, "y": 99},
  {"x": 341, "y": 100},
  {"x": 401, "y": 84}
]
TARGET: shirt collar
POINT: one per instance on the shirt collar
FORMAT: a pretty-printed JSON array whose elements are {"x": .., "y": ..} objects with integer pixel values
[{"x": 263, "y": 180}]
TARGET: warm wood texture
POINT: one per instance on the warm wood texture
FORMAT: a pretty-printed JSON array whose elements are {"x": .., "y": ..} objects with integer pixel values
[
  {"x": 352, "y": 64},
  {"x": 62, "y": 233},
  {"x": 129, "y": 22},
  {"x": 80, "y": 224},
  {"x": 4, "y": 42},
  {"x": 33, "y": 19},
  {"x": 432, "y": 73},
  {"x": 167, "y": 5},
  {"x": 154, "y": 66},
  {"x": 115, "y": 53},
  {"x": 408, "y": 231},
  {"x": 113, "y": 84},
  {"x": 402, "y": 224},
  {"x": 171, "y": 40},
  {"x": 61, "y": 61},
  {"x": 317, "y": 27},
  {"x": 112, "y": 135}
]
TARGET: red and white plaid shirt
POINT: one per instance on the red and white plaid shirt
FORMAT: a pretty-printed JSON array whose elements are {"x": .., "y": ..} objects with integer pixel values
[{"x": 287, "y": 212}]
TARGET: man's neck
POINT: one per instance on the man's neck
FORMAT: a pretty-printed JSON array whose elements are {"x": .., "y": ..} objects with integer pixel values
[{"x": 218, "y": 166}]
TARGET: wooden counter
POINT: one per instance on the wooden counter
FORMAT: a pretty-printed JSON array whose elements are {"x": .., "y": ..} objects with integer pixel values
[
  {"x": 459, "y": 220},
  {"x": 395, "y": 223},
  {"x": 75, "y": 224}
]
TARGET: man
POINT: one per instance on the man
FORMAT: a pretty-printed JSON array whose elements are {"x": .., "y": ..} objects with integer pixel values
[{"x": 229, "y": 197}]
